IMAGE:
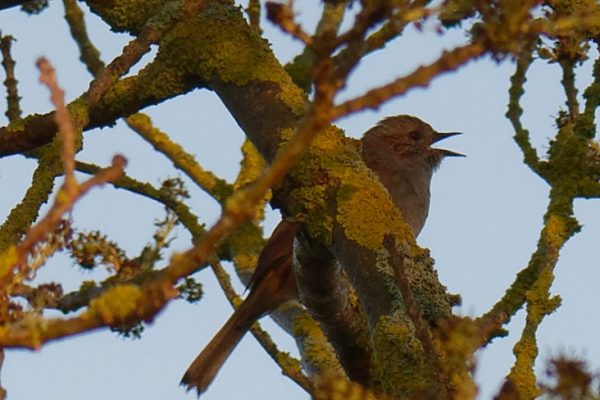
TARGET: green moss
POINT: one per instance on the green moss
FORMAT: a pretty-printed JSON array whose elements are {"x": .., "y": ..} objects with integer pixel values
[
  {"x": 79, "y": 110},
  {"x": 337, "y": 387},
  {"x": 330, "y": 172},
  {"x": 251, "y": 166}
]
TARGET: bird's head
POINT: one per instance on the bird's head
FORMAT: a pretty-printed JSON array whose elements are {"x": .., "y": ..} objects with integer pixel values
[{"x": 405, "y": 137}]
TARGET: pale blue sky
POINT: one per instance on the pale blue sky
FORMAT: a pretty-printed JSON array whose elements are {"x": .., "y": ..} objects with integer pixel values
[{"x": 485, "y": 216}]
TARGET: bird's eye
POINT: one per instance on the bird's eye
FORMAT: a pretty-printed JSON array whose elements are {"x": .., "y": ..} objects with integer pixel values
[{"x": 415, "y": 136}]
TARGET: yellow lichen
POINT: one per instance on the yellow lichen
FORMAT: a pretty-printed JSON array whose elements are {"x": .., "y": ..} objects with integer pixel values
[
  {"x": 363, "y": 223},
  {"x": 316, "y": 349},
  {"x": 8, "y": 259},
  {"x": 556, "y": 231},
  {"x": 337, "y": 387},
  {"x": 245, "y": 262},
  {"x": 116, "y": 304},
  {"x": 399, "y": 365}
]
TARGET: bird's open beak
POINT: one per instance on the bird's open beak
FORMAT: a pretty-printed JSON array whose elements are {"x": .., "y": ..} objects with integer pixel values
[{"x": 444, "y": 135}]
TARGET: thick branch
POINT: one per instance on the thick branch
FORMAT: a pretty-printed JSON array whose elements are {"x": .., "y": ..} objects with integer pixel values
[
  {"x": 325, "y": 291},
  {"x": 153, "y": 85}
]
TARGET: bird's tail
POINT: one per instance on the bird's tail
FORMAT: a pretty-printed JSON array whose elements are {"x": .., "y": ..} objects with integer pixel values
[{"x": 207, "y": 364}]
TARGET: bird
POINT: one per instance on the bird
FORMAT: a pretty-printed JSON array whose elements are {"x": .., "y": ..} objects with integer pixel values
[{"x": 398, "y": 150}]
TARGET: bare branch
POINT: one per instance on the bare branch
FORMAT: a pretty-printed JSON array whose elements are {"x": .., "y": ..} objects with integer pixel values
[
  {"x": 89, "y": 55},
  {"x": 283, "y": 16},
  {"x": 13, "y": 111}
]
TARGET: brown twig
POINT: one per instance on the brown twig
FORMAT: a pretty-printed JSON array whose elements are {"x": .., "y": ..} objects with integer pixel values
[
  {"x": 283, "y": 16},
  {"x": 66, "y": 130},
  {"x": 253, "y": 11},
  {"x": 372, "y": 13},
  {"x": 121, "y": 303},
  {"x": 13, "y": 111}
]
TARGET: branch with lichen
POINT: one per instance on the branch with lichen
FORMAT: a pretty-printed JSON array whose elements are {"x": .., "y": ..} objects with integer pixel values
[
  {"x": 423, "y": 331},
  {"x": 253, "y": 12},
  {"x": 164, "y": 19},
  {"x": 570, "y": 164},
  {"x": 301, "y": 68},
  {"x": 183, "y": 212},
  {"x": 515, "y": 111},
  {"x": 216, "y": 187},
  {"x": 89, "y": 54},
  {"x": 539, "y": 305}
]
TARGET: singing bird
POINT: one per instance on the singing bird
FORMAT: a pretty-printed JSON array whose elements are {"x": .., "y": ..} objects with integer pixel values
[{"x": 398, "y": 149}]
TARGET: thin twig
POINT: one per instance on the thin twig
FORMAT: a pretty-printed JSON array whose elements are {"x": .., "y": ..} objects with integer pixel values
[
  {"x": 568, "y": 82},
  {"x": 253, "y": 11},
  {"x": 514, "y": 111},
  {"x": 63, "y": 204},
  {"x": 396, "y": 24},
  {"x": 136, "y": 48},
  {"x": 283, "y": 16},
  {"x": 62, "y": 116},
  {"x": 13, "y": 111},
  {"x": 183, "y": 212},
  {"x": 218, "y": 188},
  {"x": 89, "y": 54}
]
